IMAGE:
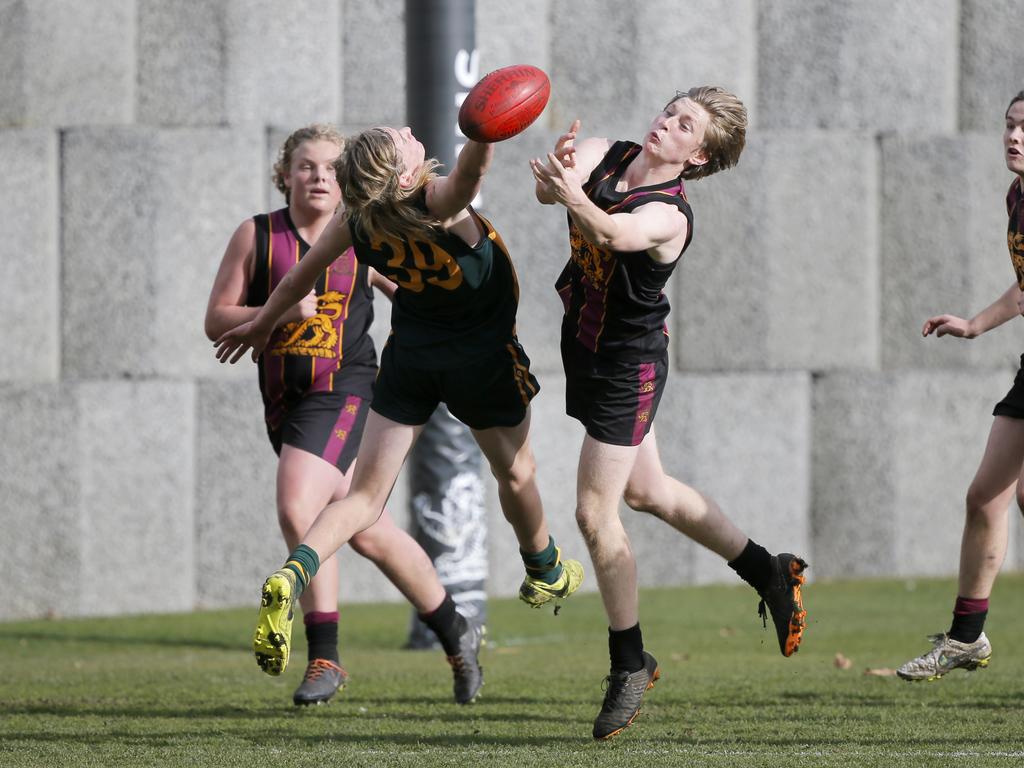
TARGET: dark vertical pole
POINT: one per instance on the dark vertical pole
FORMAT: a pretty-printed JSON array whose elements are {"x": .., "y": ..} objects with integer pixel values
[{"x": 446, "y": 493}]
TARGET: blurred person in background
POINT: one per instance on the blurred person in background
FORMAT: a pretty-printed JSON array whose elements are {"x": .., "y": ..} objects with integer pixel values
[{"x": 983, "y": 546}]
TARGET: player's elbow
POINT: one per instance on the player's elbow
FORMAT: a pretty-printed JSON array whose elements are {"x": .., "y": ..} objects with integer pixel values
[{"x": 211, "y": 328}]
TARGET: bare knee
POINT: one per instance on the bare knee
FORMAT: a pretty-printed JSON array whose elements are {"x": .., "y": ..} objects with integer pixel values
[
  {"x": 589, "y": 526},
  {"x": 642, "y": 499},
  {"x": 983, "y": 509},
  {"x": 373, "y": 542},
  {"x": 519, "y": 475},
  {"x": 295, "y": 518},
  {"x": 366, "y": 544}
]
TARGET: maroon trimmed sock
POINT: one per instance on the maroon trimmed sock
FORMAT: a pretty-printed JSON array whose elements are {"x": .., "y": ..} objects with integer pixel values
[
  {"x": 969, "y": 615},
  {"x": 322, "y": 635}
]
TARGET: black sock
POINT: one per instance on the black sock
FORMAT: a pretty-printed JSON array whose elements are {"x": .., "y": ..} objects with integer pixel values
[
  {"x": 626, "y": 647},
  {"x": 967, "y": 627},
  {"x": 447, "y": 623},
  {"x": 754, "y": 565},
  {"x": 322, "y": 639}
]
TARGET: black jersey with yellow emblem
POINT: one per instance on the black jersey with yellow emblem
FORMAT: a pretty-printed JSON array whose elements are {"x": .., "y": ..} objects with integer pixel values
[
  {"x": 1015, "y": 230},
  {"x": 614, "y": 301},
  {"x": 455, "y": 303},
  {"x": 329, "y": 352}
]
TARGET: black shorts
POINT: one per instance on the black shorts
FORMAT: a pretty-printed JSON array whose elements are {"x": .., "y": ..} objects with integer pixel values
[
  {"x": 1013, "y": 404},
  {"x": 615, "y": 401},
  {"x": 326, "y": 424},
  {"x": 492, "y": 392}
]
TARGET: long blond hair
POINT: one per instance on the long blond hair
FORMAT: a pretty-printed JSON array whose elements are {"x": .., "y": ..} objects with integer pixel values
[{"x": 368, "y": 173}]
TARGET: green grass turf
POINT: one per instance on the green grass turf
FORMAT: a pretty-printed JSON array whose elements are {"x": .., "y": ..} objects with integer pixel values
[{"x": 184, "y": 690}]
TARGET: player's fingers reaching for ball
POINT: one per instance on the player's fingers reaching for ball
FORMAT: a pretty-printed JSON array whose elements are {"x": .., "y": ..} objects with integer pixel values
[
  {"x": 557, "y": 167},
  {"x": 564, "y": 146},
  {"x": 541, "y": 172}
]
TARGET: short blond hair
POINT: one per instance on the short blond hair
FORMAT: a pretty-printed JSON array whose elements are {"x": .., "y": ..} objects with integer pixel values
[
  {"x": 314, "y": 132},
  {"x": 726, "y": 134}
]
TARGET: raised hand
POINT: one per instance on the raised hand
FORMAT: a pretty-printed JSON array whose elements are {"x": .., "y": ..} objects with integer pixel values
[
  {"x": 565, "y": 149},
  {"x": 560, "y": 183}
]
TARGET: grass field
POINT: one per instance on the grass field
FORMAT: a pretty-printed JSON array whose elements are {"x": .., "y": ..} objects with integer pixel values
[{"x": 184, "y": 690}]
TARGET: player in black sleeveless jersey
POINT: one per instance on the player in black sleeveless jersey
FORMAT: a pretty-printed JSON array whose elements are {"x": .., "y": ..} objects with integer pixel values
[
  {"x": 316, "y": 380},
  {"x": 629, "y": 222},
  {"x": 983, "y": 546},
  {"x": 453, "y": 340}
]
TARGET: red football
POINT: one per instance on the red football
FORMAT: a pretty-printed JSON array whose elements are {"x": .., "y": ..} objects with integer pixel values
[{"x": 504, "y": 103}]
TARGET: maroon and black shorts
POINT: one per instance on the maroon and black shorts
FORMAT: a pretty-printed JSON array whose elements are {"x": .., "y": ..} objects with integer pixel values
[
  {"x": 494, "y": 391},
  {"x": 1013, "y": 404},
  {"x": 616, "y": 401},
  {"x": 326, "y": 424}
]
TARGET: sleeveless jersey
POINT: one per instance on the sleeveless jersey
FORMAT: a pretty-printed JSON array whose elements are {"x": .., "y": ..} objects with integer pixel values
[
  {"x": 455, "y": 303},
  {"x": 329, "y": 352},
  {"x": 1015, "y": 230},
  {"x": 613, "y": 300}
]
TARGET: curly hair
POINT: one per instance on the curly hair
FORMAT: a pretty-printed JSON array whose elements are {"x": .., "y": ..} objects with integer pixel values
[
  {"x": 726, "y": 134},
  {"x": 314, "y": 132},
  {"x": 368, "y": 173}
]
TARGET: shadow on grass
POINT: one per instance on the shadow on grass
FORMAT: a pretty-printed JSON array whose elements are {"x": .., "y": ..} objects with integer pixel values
[
  {"x": 572, "y": 737},
  {"x": 1001, "y": 700},
  {"x": 278, "y": 740},
  {"x": 283, "y": 717},
  {"x": 113, "y": 640}
]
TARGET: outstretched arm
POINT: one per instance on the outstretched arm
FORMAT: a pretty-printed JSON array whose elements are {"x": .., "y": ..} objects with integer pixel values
[
  {"x": 1006, "y": 307},
  {"x": 299, "y": 281},
  {"x": 448, "y": 195}
]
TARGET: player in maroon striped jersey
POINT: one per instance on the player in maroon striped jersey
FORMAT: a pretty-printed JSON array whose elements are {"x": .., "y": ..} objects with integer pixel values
[
  {"x": 629, "y": 222},
  {"x": 1002, "y": 466}
]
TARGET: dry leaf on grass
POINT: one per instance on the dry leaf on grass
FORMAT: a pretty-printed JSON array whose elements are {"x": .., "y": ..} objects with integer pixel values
[
  {"x": 841, "y": 662},
  {"x": 881, "y": 672}
]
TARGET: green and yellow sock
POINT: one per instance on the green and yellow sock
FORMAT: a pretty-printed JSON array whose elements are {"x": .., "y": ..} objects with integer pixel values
[
  {"x": 544, "y": 565},
  {"x": 304, "y": 562}
]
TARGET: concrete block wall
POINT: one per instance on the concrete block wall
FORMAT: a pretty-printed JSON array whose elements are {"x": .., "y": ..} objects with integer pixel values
[
  {"x": 137, "y": 135},
  {"x": 894, "y": 455}
]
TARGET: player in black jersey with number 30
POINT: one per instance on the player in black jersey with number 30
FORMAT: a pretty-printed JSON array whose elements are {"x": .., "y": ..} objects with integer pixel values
[{"x": 629, "y": 222}]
